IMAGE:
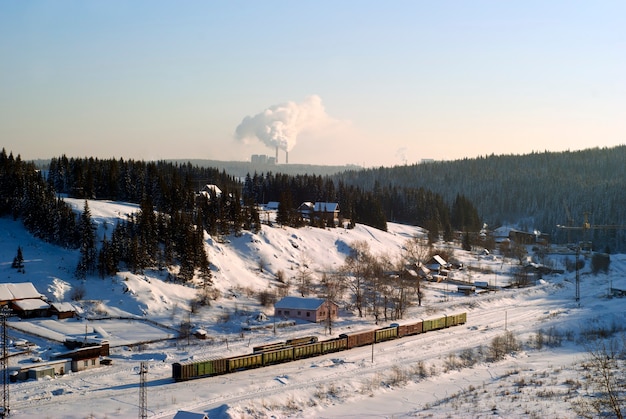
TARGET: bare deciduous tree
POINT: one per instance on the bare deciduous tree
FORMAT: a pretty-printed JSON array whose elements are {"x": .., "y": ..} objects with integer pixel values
[
  {"x": 415, "y": 254},
  {"x": 304, "y": 275},
  {"x": 606, "y": 388},
  {"x": 355, "y": 270},
  {"x": 331, "y": 287}
]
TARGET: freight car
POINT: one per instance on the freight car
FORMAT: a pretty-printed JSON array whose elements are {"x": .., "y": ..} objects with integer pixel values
[
  {"x": 301, "y": 341},
  {"x": 289, "y": 342},
  {"x": 305, "y": 347},
  {"x": 359, "y": 339}
]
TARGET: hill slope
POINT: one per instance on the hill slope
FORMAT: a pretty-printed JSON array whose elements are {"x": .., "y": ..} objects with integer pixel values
[{"x": 440, "y": 374}]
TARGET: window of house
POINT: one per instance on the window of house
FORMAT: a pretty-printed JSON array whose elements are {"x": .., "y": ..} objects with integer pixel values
[
  {"x": 279, "y": 312},
  {"x": 86, "y": 363},
  {"x": 299, "y": 313},
  {"x": 286, "y": 312},
  {"x": 308, "y": 314},
  {"x": 93, "y": 362}
]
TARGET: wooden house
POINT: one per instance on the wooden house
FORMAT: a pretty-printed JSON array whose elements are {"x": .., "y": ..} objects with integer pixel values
[
  {"x": 10, "y": 292},
  {"x": 326, "y": 211},
  {"x": 309, "y": 309},
  {"x": 30, "y": 308},
  {"x": 62, "y": 310}
]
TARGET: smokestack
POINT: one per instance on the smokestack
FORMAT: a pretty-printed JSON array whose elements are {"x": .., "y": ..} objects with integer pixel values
[
  {"x": 286, "y": 157},
  {"x": 276, "y": 154}
]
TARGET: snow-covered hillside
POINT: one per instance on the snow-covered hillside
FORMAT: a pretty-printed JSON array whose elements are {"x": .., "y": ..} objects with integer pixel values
[{"x": 412, "y": 377}]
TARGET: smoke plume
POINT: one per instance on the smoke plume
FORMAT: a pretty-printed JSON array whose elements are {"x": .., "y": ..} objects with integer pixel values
[{"x": 278, "y": 126}]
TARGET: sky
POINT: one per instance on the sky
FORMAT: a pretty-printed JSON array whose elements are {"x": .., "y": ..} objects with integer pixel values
[{"x": 369, "y": 83}]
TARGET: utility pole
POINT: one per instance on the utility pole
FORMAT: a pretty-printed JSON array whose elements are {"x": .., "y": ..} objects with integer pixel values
[
  {"x": 577, "y": 277},
  {"x": 143, "y": 396},
  {"x": 5, "y": 312}
]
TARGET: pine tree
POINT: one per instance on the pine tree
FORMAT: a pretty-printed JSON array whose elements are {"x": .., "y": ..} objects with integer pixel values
[
  {"x": 18, "y": 261},
  {"x": 88, "y": 258}
]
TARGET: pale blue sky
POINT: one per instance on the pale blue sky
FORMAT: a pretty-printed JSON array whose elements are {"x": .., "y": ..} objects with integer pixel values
[{"x": 399, "y": 81}]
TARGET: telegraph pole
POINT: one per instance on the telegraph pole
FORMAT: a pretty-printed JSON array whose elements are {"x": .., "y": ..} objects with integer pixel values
[
  {"x": 5, "y": 312},
  {"x": 143, "y": 396},
  {"x": 577, "y": 277}
]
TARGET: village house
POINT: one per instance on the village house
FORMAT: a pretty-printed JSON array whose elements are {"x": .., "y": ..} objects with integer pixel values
[
  {"x": 309, "y": 309},
  {"x": 23, "y": 299},
  {"x": 85, "y": 358},
  {"x": 326, "y": 211}
]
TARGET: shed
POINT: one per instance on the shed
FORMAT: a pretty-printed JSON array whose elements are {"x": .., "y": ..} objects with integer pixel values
[
  {"x": 437, "y": 263},
  {"x": 309, "y": 309},
  {"x": 466, "y": 289},
  {"x": 62, "y": 310},
  {"x": 48, "y": 368}
]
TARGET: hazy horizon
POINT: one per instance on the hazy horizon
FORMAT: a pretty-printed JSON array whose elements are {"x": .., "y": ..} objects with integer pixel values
[{"x": 367, "y": 83}]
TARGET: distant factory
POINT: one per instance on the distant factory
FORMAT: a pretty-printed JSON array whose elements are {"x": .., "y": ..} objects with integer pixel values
[
  {"x": 262, "y": 159},
  {"x": 265, "y": 159}
]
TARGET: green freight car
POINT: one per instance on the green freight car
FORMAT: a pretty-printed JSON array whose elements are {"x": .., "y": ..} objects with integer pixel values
[
  {"x": 277, "y": 356},
  {"x": 456, "y": 319},
  {"x": 334, "y": 345},
  {"x": 306, "y": 351},
  {"x": 191, "y": 369},
  {"x": 386, "y": 333},
  {"x": 434, "y": 324},
  {"x": 245, "y": 362}
]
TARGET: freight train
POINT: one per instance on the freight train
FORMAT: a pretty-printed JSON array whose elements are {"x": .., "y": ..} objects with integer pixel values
[{"x": 306, "y": 347}]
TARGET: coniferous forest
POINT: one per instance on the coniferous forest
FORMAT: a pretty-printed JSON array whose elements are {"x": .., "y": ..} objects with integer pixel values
[
  {"x": 173, "y": 217},
  {"x": 537, "y": 191}
]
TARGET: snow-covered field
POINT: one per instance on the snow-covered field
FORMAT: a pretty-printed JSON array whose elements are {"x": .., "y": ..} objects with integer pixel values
[{"x": 438, "y": 374}]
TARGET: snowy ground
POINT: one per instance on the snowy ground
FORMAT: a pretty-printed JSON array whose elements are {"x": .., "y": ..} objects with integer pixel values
[{"x": 438, "y": 374}]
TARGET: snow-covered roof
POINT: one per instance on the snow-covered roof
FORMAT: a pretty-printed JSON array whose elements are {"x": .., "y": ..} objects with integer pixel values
[
  {"x": 306, "y": 206},
  {"x": 63, "y": 307},
  {"x": 301, "y": 303},
  {"x": 211, "y": 190},
  {"x": 326, "y": 207},
  {"x": 31, "y": 304},
  {"x": 20, "y": 291},
  {"x": 272, "y": 205},
  {"x": 439, "y": 260},
  {"x": 181, "y": 414}
]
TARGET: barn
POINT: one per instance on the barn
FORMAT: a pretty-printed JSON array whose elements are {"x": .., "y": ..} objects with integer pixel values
[
  {"x": 309, "y": 309},
  {"x": 11, "y": 292}
]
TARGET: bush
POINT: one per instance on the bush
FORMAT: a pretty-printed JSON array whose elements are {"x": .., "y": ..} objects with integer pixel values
[
  {"x": 266, "y": 298},
  {"x": 503, "y": 345},
  {"x": 78, "y": 293}
]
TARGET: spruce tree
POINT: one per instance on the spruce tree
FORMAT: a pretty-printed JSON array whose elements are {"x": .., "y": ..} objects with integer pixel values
[
  {"x": 88, "y": 258},
  {"x": 18, "y": 260}
]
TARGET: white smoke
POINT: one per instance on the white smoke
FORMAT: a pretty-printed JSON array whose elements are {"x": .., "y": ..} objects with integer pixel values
[{"x": 279, "y": 125}]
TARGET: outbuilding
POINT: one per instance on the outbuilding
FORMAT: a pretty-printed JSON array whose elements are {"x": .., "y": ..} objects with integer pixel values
[
  {"x": 62, "y": 310},
  {"x": 309, "y": 309}
]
